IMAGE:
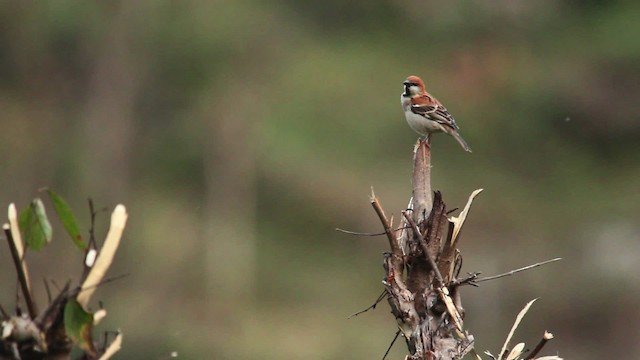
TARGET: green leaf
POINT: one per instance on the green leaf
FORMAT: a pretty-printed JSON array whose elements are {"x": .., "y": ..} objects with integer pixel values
[
  {"x": 63, "y": 210},
  {"x": 78, "y": 324},
  {"x": 24, "y": 221},
  {"x": 35, "y": 225},
  {"x": 42, "y": 220}
]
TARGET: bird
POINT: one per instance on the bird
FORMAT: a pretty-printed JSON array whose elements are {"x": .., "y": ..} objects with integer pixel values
[{"x": 425, "y": 114}]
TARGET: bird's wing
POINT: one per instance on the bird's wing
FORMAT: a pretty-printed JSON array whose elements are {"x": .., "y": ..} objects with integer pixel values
[
  {"x": 444, "y": 117},
  {"x": 423, "y": 105},
  {"x": 428, "y": 106},
  {"x": 423, "y": 109}
]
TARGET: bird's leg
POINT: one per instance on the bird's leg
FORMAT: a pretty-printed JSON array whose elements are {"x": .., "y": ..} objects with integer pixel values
[{"x": 427, "y": 140}]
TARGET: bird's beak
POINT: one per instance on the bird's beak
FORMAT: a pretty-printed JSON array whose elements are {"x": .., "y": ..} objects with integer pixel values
[
  {"x": 406, "y": 89},
  {"x": 406, "y": 82}
]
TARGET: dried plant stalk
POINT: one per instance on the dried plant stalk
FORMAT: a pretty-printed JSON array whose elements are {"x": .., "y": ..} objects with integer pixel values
[{"x": 419, "y": 271}]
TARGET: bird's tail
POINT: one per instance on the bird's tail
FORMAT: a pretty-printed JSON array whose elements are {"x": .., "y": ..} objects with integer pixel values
[{"x": 461, "y": 141}]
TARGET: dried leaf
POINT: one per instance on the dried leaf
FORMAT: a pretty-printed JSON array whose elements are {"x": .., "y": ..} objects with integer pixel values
[
  {"x": 98, "y": 316},
  {"x": 105, "y": 256},
  {"x": 515, "y": 325},
  {"x": 516, "y": 352},
  {"x": 459, "y": 221},
  {"x": 451, "y": 308},
  {"x": 490, "y": 354},
  {"x": 17, "y": 240},
  {"x": 15, "y": 229},
  {"x": 113, "y": 348}
]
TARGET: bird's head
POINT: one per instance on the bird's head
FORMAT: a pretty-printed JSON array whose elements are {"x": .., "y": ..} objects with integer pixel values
[{"x": 413, "y": 86}]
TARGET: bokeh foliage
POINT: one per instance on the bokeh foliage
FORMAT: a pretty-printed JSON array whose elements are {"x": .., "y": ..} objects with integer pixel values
[{"x": 240, "y": 133}]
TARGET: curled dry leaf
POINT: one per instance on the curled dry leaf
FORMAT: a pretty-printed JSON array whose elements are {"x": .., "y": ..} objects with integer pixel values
[
  {"x": 105, "y": 256},
  {"x": 113, "y": 348},
  {"x": 515, "y": 325},
  {"x": 458, "y": 221},
  {"x": 516, "y": 352},
  {"x": 98, "y": 316},
  {"x": 15, "y": 229}
]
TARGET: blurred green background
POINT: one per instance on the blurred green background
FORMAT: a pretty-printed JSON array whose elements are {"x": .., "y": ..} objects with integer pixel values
[{"x": 240, "y": 133}]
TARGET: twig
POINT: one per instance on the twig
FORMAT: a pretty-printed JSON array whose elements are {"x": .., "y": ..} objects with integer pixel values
[
  {"x": 114, "y": 347},
  {"x": 367, "y": 234},
  {"x": 425, "y": 250},
  {"x": 359, "y": 233},
  {"x": 393, "y": 242},
  {"x": 545, "y": 338},
  {"x": 516, "y": 270},
  {"x": 457, "y": 266},
  {"x": 5, "y": 315},
  {"x": 92, "y": 234},
  {"x": 22, "y": 278},
  {"x": 16, "y": 352},
  {"x": 91, "y": 245},
  {"x": 105, "y": 281},
  {"x": 469, "y": 280},
  {"x": 452, "y": 211},
  {"x": 56, "y": 285},
  {"x": 17, "y": 292},
  {"x": 46, "y": 286},
  {"x": 104, "y": 340},
  {"x": 391, "y": 345},
  {"x": 380, "y": 298}
]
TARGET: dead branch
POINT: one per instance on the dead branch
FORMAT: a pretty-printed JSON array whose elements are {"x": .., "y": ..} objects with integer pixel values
[
  {"x": 422, "y": 196},
  {"x": 393, "y": 242},
  {"x": 20, "y": 270},
  {"x": 428, "y": 315},
  {"x": 391, "y": 345},
  {"x": 422, "y": 269},
  {"x": 545, "y": 338}
]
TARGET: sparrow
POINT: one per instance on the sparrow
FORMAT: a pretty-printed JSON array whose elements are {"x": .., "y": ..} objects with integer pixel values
[{"x": 425, "y": 114}]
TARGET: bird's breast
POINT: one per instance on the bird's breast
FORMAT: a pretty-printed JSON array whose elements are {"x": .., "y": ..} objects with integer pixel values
[{"x": 421, "y": 124}]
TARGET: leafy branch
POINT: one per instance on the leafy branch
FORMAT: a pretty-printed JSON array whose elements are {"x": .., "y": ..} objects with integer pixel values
[{"x": 67, "y": 320}]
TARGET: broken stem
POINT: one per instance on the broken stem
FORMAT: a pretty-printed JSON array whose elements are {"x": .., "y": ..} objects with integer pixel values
[{"x": 393, "y": 242}]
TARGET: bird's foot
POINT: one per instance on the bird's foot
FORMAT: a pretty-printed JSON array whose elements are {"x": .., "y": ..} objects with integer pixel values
[{"x": 427, "y": 141}]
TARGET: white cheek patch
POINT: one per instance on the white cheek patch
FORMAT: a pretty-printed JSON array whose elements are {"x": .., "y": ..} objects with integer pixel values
[{"x": 414, "y": 90}]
